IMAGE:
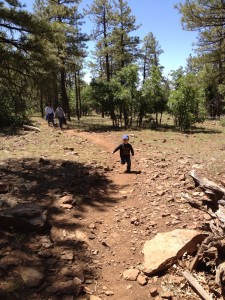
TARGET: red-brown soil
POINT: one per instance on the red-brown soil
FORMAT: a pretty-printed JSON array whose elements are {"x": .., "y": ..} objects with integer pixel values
[{"x": 95, "y": 238}]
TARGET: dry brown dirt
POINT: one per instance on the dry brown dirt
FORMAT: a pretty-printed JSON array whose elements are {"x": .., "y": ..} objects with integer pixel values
[{"x": 98, "y": 216}]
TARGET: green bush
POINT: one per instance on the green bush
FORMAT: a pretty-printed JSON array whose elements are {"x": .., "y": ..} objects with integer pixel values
[
  {"x": 13, "y": 120},
  {"x": 222, "y": 122}
]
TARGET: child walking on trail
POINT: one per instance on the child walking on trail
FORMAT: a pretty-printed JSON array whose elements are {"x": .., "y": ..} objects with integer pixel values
[{"x": 125, "y": 150}]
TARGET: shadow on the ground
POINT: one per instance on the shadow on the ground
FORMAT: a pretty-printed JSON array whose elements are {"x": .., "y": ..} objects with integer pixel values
[
  {"x": 133, "y": 172},
  {"x": 44, "y": 182},
  {"x": 11, "y": 131},
  {"x": 88, "y": 127},
  {"x": 193, "y": 130}
]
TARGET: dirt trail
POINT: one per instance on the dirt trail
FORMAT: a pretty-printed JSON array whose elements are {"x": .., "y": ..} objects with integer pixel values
[
  {"x": 109, "y": 144},
  {"x": 99, "y": 217},
  {"x": 119, "y": 246}
]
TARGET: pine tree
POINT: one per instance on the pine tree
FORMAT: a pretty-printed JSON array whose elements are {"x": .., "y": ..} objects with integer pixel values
[
  {"x": 207, "y": 17},
  {"x": 69, "y": 41},
  {"x": 150, "y": 53},
  {"x": 125, "y": 46},
  {"x": 101, "y": 14},
  {"x": 24, "y": 55}
]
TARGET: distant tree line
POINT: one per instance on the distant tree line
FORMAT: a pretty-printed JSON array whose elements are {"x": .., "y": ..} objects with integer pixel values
[{"x": 43, "y": 56}]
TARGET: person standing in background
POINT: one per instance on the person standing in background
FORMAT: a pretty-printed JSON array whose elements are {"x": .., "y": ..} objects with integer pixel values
[
  {"x": 59, "y": 113},
  {"x": 49, "y": 112}
]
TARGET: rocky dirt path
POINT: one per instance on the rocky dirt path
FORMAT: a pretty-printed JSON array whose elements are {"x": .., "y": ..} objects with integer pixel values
[
  {"x": 98, "y": 217},
  {"x": 117, "y": 244},
  {"x": 142, "y": 203}
]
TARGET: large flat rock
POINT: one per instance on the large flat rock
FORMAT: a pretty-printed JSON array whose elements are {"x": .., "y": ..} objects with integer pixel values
[
  {"x": 24, "y": 216},
  {"x": 165, "y": 248}
]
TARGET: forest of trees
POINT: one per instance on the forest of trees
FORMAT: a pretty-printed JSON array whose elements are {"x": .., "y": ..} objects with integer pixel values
[{"x": 43, "y": 56}]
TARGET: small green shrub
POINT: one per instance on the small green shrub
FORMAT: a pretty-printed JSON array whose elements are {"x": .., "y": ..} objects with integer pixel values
[{"x": 222, "y": 122}]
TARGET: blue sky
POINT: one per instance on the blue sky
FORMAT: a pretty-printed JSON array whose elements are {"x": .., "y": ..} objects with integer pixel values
[{"x": 163, "y": 20}]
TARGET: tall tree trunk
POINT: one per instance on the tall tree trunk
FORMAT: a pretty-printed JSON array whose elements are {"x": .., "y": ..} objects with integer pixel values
[
  {"x": 156, "y": 120},
  {"x": 41, "y": 104},
  {"x": 160, "y": 121},
  {"x": 106, "y": 46},
  {"x": 77, "y": 96},
  {"x": 65, "y": 101},
  {"x": 144, "y": 66},
  {"x": 56, "y": 90}
]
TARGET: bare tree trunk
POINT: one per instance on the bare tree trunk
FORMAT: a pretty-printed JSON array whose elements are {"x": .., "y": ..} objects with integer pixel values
[
  {"x": 65, "y": 101},
  {"x": 41, "y": 104},
  {"x": 77, "y": 96}
]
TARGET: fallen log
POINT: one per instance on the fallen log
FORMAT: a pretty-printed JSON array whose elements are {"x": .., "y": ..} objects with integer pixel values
[
  {"x": 217, "y": 225},
  {"x": 197, "y": 205},
  {"x": 28, "y": 127},
  {"x": 220, "y": 274},
  {"x": 216, "y": 239},
  {"x": 209, "y": 187},
  {"x": 196, "y": 286},
  {"x": 208, "y": 243}
]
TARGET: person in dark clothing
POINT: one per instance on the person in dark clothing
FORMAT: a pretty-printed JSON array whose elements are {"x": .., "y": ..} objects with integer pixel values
[
  {"x": 125, "y": 150},
  {"x": 59, "y": 113}
]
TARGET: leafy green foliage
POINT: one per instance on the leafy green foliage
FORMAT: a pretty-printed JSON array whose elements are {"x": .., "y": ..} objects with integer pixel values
[
  {"x": 186, "y": 103},
  {"x": 155, "y": 93},
  {"x": 207, "y": 18},
  {"x": 124, "y": 89},
  {"x": 222, "y": 122},
  {"x": 25, "y": 57}
]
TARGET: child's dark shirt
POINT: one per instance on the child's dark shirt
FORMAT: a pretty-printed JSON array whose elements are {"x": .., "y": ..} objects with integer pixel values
[{"x": 125, "y": 150}]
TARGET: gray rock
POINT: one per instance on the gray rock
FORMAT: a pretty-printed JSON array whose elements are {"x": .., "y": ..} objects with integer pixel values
[
  {"x": 25, "y": 216},
  {"x": 153, "y": 291},
  {"x": 131, "y": 274},
  {"x": 142, "y": 279},
  {"x": 31, "y": 277},
  {"x": 165, "y": 248}
]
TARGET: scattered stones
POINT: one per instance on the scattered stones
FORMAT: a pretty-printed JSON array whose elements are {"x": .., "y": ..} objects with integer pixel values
[
  {"x": 92, "y": 297},
  {"x": 142, "y": 279},
  {"x": 131, "y": 274},
  {"x": 135, "y": 221},
  {"x": 161, "y": 193},
  {"x": 4, "y": 188},
  {"x": 207, "y": 217},
  {"x": 70, "y": 286},
  {"x": 153, "y": 291},
  {"x": 67, "y": 255},
  {"x": 51, "y": 290},
  {"x": 23, "y": 216},
  {"x": 92, "y": 226},
  {"x": 167, "y": 295},
  {"x": 176, "y": 279},
  {"x": 31, "y": 277},
  {"x": 109, "y": 293}
]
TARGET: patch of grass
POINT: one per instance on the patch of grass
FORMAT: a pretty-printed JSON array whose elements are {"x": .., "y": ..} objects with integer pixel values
[
  {"x": 93, "y": 123},
  {"x": 222, "y": 122}
]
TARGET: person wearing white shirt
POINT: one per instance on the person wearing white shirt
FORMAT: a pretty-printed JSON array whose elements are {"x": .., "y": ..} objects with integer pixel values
[{"x": 49, "y": 111}]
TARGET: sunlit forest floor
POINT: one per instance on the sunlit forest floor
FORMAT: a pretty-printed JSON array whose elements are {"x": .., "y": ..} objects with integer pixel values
[{"x": 91, "y": 205}]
